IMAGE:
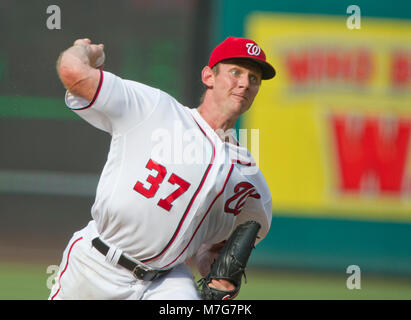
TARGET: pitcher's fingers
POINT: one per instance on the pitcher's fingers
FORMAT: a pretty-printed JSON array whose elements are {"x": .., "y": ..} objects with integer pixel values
[{"x": 81, "y": 42}]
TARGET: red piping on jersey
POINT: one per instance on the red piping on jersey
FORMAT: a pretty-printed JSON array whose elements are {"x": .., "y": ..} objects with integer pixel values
[
  {"x": 65, "y": 268},
  {"x": 191, "y": 201},
  {"x": 208, "y": 210},
  {"x": 96, "y": 94},
  {"x": 250, "y": 164}
]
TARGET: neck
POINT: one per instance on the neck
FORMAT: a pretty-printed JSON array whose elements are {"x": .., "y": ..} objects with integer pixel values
[{"x": 216, "y": 119}]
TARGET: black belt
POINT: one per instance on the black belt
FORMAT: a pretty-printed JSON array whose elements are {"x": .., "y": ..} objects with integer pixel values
[{"x": 139, "y": 271}]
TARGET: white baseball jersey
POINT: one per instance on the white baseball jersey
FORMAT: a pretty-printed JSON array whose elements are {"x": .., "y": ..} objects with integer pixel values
[{"x": 169, "y": 183}]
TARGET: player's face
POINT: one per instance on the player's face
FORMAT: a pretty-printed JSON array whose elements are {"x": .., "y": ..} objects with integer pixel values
[{"x": 236, "y": 84}]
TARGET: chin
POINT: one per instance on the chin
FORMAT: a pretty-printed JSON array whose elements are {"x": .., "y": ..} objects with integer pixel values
[
  {"x": 245, "y": 107},
  {"x": 240, "y": 107}
]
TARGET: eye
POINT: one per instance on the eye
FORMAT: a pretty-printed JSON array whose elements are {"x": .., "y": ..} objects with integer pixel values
[
  {"x": 254, "y": 79},
  {"x": 235, "y": 72}
]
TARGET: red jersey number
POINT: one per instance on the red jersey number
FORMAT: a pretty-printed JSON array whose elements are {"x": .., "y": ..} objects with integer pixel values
[{"x": 155, "y": 182}]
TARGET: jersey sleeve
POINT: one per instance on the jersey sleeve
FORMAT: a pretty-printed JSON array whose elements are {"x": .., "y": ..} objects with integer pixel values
[{"x": 117, "y": 105}]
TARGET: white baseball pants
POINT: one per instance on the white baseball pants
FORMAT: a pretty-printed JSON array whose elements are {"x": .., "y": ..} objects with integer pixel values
[{"x": 84, "y": 274}]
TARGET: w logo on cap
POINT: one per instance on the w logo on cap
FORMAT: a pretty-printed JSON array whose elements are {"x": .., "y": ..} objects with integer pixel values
[
  {"x": 234, "y": 47},
  {"x": 253, "y": 49}
]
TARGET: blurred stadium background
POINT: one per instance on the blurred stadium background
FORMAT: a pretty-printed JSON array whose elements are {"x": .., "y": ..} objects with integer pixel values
[{"x": 334, "y": 133}]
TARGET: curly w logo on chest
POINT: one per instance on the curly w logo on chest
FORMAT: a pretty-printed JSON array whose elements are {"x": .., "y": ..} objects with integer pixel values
[{"x": 242, "y": 191}]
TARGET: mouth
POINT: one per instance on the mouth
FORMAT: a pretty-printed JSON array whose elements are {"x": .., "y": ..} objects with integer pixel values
[{"x": 240, "y": 96}]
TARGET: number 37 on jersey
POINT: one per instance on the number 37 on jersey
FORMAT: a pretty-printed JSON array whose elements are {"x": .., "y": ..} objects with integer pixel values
[{"x": 233, "y": 205}]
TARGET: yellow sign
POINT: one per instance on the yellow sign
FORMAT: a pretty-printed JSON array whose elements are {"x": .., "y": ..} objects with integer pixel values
[{"x": 335, "y": 123}]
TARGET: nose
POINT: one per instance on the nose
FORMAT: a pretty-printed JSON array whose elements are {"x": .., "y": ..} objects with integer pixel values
[{"x": 244, "y": 81}]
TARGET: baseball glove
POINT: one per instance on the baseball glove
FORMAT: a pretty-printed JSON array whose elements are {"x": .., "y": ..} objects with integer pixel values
[{"x": 231, "y": 262}]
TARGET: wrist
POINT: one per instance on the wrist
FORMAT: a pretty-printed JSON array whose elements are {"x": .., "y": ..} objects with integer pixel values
[{"x": 221, "y": 284}]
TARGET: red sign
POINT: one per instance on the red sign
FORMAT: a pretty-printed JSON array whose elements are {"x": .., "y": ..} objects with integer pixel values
[{"x": 372, "y": 153}]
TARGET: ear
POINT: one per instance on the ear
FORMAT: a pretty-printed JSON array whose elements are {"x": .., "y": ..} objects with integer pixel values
[{"x": 207, "y": 77}]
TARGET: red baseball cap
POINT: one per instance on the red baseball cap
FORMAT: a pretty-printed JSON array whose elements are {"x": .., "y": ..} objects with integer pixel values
[{"x": 233, "y": 47}]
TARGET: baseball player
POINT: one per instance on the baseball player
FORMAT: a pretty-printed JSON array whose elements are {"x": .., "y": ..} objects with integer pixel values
[{"x": 176, "y": 183}]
